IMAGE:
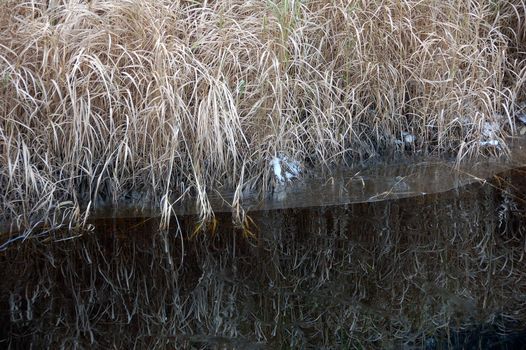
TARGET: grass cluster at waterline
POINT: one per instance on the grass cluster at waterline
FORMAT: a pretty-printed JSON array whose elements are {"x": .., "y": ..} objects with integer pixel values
[{"x": 157, "y": 99}]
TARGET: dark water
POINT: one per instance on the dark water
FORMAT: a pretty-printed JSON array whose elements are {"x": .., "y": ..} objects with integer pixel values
[{"x": 442, "y": 270}]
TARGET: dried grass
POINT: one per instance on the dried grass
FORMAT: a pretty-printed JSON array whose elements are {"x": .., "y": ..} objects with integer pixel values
[{"x": 110, "y": 100}]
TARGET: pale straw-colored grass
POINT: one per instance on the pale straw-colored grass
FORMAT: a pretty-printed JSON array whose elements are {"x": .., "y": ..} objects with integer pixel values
[{"x": 105, "y": 99}]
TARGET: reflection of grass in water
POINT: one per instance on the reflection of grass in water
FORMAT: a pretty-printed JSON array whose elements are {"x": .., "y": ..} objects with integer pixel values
[
  {"x": 152, "y": 100},
  {"x": 370, "y": 275}
]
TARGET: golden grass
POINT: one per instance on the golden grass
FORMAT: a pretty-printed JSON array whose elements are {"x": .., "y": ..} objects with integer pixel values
[{"x": 105, "y": 99}]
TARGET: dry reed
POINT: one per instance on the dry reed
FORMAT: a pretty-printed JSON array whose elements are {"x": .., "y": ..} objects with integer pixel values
[{"x": 153, "y": 100}]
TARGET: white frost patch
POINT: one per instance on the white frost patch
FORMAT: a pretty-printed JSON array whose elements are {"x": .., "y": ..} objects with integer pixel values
[
  {"x": 490, "y": 129},
  {"x": 464, "y": 120},
  {"x": 285, "y": 169},
  {"x": 493, "y": 143},
  {"x": 275, "y": 163},
  {"x": 406, "y": 137}
]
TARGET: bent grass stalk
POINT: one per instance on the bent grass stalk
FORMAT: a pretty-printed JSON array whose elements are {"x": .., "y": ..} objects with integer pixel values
[{"x": 105, "y": 100}]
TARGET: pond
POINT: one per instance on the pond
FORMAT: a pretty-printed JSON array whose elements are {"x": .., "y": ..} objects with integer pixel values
[{"x": 403, "y": 256}]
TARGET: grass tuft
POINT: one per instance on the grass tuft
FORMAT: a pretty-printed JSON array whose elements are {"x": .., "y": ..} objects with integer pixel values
[{"x": 108, "y": 100}]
